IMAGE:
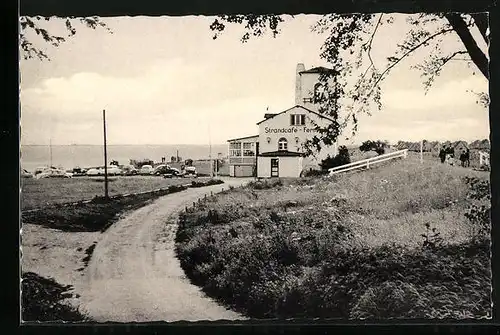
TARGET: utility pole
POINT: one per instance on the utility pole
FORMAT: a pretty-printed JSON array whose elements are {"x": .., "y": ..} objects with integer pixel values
[
  {"x": 106, "y": 195},
  {"x": 210, "y": 152},
  {"x": 421, "y": 151},
  {"x": 50, "y": 152}
]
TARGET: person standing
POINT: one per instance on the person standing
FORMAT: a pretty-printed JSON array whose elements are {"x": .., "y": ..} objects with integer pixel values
[{"x": 442, "y": 154}]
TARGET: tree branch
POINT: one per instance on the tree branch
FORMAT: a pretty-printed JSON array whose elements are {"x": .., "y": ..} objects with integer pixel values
[
  {"x": 368, "y": 45},
  {"x": 477, "y": 56},
  {"x": 409, "y": 51}
]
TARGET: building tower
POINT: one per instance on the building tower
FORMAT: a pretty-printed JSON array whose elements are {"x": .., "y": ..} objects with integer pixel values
[{"x": 298, "y": 84}]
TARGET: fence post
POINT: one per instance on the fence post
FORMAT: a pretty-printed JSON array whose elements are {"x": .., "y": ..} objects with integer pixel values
[{"x": 367, "y": 164}]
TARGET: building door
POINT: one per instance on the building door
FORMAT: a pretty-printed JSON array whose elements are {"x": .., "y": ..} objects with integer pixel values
[{"x": 275, "y": 167}]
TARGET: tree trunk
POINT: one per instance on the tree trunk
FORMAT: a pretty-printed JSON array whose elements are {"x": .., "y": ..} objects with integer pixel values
[
  {"x": 481, "y": 21},
  {"x": 475, "y": 53}
]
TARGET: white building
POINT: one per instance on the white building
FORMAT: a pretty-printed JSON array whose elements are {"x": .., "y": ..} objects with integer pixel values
[{"x": 277, "y": 150}]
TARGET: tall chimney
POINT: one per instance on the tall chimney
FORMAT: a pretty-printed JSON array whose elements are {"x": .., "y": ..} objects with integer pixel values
[{"x": 298, "y": 83}]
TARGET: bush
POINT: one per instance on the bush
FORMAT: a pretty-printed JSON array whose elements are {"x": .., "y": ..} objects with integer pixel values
[
  {"x": 377, "y": 146},
  {"x": 341, "y": 158},
  {"x": 41, "y": 300},
  {"x": 392, "y": 299},
  {"x": 265, "y": 184},
  {"x": 206, "y": 183}
]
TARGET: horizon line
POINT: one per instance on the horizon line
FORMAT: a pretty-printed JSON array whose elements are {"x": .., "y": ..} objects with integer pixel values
[{"x": 86, "y": 144}]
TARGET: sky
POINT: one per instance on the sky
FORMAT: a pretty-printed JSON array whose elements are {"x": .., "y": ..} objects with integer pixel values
[{"x": 165, "y": 80}]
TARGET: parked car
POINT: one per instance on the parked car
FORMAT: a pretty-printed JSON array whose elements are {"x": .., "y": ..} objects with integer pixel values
[
  {"x": 77, "y": 171},
  {"x": 40, "y": 169},
  {"x": 146, "y": 170},
  {"x": 172, "y": 172},
  {"x": 26, "y": 174},
  {"x": 129, "y": 170},
  {"x": 95, "y": 172},
  {"x": 114, "y": 171},
  {"x": 190, "y": 171},
  {"x": 53, "y": 173},
  {"x": 160, "y": 169}
]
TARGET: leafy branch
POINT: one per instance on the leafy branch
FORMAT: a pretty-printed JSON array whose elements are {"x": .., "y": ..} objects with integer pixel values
[{"x": 34, "y": 24}]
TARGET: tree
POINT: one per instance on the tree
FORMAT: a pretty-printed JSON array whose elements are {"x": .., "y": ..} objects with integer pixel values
[
  {"x": 377, "y": 146},
  {"x": 341, "y": 158},
  {"x": 30, "y": 25},
  {"x": 353, "y": 85}
]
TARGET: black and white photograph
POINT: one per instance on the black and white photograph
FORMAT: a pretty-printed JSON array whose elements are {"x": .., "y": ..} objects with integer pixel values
[{"x": 247, "y": 167}]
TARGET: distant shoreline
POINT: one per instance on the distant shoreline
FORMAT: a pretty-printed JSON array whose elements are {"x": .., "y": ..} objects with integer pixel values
[{"x": 117, "y": 145}]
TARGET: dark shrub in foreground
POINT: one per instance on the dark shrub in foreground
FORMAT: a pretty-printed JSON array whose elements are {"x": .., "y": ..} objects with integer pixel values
[
  {"x": 265, "y": 184},
  {"x": 206, "y": 183},
  {"x": 276, "y": 275},
  {"x": 41, "y": 300}
]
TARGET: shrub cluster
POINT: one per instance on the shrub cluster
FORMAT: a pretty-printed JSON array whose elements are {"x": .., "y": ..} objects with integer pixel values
[
  {"x": 282, "y": 249},
  {"x": 265, "y": 184},
  {"x": 41, "y": 300},
  {"x": 210, "y": 182},
  {"x": 340, "y": 159}
]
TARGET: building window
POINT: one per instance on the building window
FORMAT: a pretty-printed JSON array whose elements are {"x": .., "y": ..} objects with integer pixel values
[
  {"x": 283, "y": 144},
  {"x": 306, "y": 100},
  {"x": 235, "y": 153},
  {"x": 235, "y": 145},
  {"x": 248, "y": 153},
  {"x": 247, "y": 145},
  {"x": 297, "y": 119}
]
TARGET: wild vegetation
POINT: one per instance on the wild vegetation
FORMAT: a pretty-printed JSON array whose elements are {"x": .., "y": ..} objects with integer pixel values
[
  {"x": 377, "y": 146},
  {"x": 406, "y": 241},
  {"x": 43, "y": 300}
]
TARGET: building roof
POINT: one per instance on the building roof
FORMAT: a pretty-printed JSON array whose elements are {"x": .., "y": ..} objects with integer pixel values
[
  {"x": 307, "y": 109},
  {"x": 243, "y": 138},
  {"x": 318, "y": 69},
  {"x": 281, "y": 153},
  {"x": 268, "y": 115}
]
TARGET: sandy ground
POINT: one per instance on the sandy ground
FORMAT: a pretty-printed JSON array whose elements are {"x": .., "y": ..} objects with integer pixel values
[{"x": 133, "y": 274}]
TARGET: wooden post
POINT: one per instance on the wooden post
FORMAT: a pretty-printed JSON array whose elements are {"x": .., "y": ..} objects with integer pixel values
[{"x": 106, "y": 195}]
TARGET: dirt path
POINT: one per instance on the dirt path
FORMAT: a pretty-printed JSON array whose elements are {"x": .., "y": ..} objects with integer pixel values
[{"x": 134, "y": 275}]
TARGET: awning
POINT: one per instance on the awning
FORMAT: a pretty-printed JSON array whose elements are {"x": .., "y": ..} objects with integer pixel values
[{"x": 281, "y": 153}]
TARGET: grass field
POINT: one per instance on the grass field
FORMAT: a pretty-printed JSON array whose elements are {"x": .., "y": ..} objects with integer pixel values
[
  {"x": 397, "y": 241},
  {"x": 36, "y": 193}
]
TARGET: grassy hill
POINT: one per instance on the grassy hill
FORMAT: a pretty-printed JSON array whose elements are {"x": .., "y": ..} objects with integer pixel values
[{"x": 395, "y": 241}]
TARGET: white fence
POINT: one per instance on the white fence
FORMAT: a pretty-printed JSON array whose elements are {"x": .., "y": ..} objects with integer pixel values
[{"x": 366, "y": 163}]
